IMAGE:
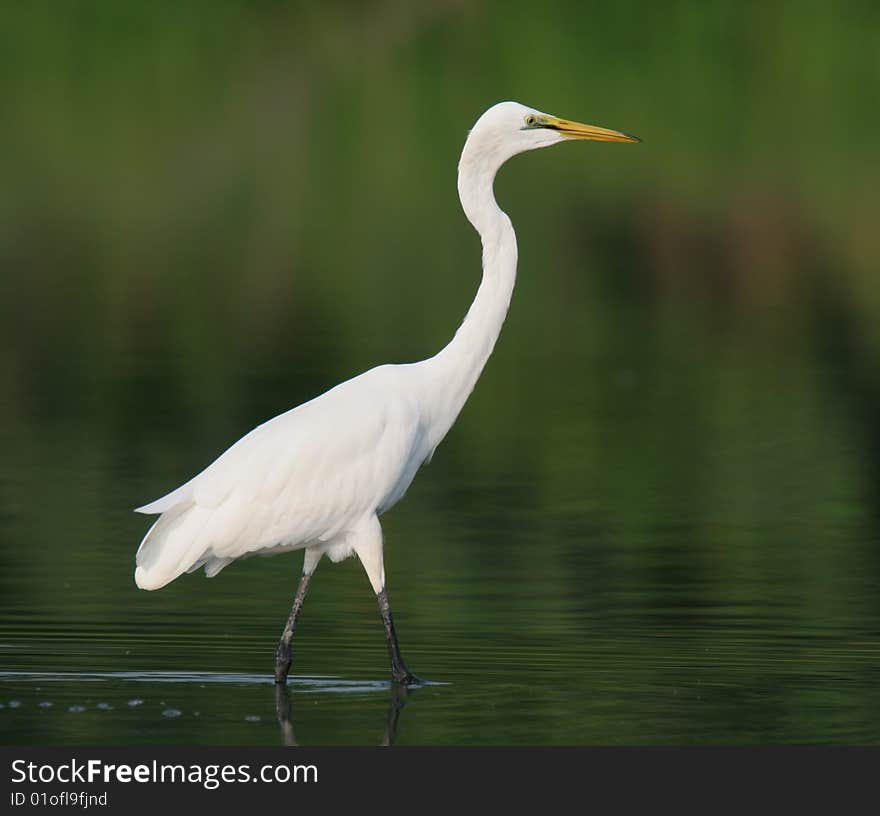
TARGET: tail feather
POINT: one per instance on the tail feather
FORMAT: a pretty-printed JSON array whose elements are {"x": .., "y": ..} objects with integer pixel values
[
  {"x": 211, "y": 563},
  {"x": 170, "y": 547},
  {"x": 169, "y": 501}
]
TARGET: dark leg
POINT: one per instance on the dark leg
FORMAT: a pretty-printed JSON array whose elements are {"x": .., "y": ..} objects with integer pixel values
[
  {"x": 399, "y": 672},
  {"x": 282, "y": 653}
]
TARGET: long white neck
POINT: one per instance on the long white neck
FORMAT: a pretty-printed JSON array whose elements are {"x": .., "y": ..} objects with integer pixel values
[{"x": 453, "y": 372}]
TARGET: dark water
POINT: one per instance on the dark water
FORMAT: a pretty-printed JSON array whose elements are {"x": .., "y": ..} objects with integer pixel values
[
  {"x": 657, "y": 519},
  {"x": 709, "y": 578}
]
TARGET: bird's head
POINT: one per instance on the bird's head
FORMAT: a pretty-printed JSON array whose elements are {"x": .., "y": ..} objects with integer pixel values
[{"x": 509, "y": 128}]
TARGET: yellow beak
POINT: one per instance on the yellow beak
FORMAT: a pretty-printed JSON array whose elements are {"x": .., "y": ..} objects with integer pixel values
[{"x": 576, "y": 130}]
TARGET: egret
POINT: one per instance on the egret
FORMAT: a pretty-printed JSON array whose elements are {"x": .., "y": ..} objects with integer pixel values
[{"x": 317, "y": 477}]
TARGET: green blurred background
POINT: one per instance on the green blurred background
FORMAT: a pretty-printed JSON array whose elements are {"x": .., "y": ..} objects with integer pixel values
[{"x": 657, "y": 518}]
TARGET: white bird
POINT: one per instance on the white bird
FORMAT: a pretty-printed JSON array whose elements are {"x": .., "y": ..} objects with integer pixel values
[{"x": 318, "y": 477}]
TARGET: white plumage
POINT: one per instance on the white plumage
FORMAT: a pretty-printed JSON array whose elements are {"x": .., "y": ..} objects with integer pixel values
[
  {"x": 315, "y": 476},
  {"x": 318, "y": 476}
]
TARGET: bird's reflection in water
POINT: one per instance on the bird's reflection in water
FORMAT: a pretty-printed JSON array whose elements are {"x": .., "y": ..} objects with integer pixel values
[
  {"x": 282, "y": 712},
  {"x": 399, "y": 694}
]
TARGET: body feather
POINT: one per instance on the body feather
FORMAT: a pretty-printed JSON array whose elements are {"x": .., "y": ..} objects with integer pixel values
[{"x": 306, "y": 478}]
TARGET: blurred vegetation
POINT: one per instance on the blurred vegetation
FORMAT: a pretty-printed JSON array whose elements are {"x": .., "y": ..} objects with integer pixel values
[{"x": 213, "y": 211}]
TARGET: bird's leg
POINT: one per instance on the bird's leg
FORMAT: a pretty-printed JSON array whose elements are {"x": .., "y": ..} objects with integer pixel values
[
  {"x": 282, "y": 653},
  {"x": 399, "y": 672},
  {"x": 368, "y": 546}
]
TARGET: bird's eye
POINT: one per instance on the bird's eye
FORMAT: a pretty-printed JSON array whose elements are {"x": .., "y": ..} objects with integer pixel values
[{"x": 531, "y": 120}]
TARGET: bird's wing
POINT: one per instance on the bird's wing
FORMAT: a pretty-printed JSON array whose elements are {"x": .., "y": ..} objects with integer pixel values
[{"x": 301, "y": 477}]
